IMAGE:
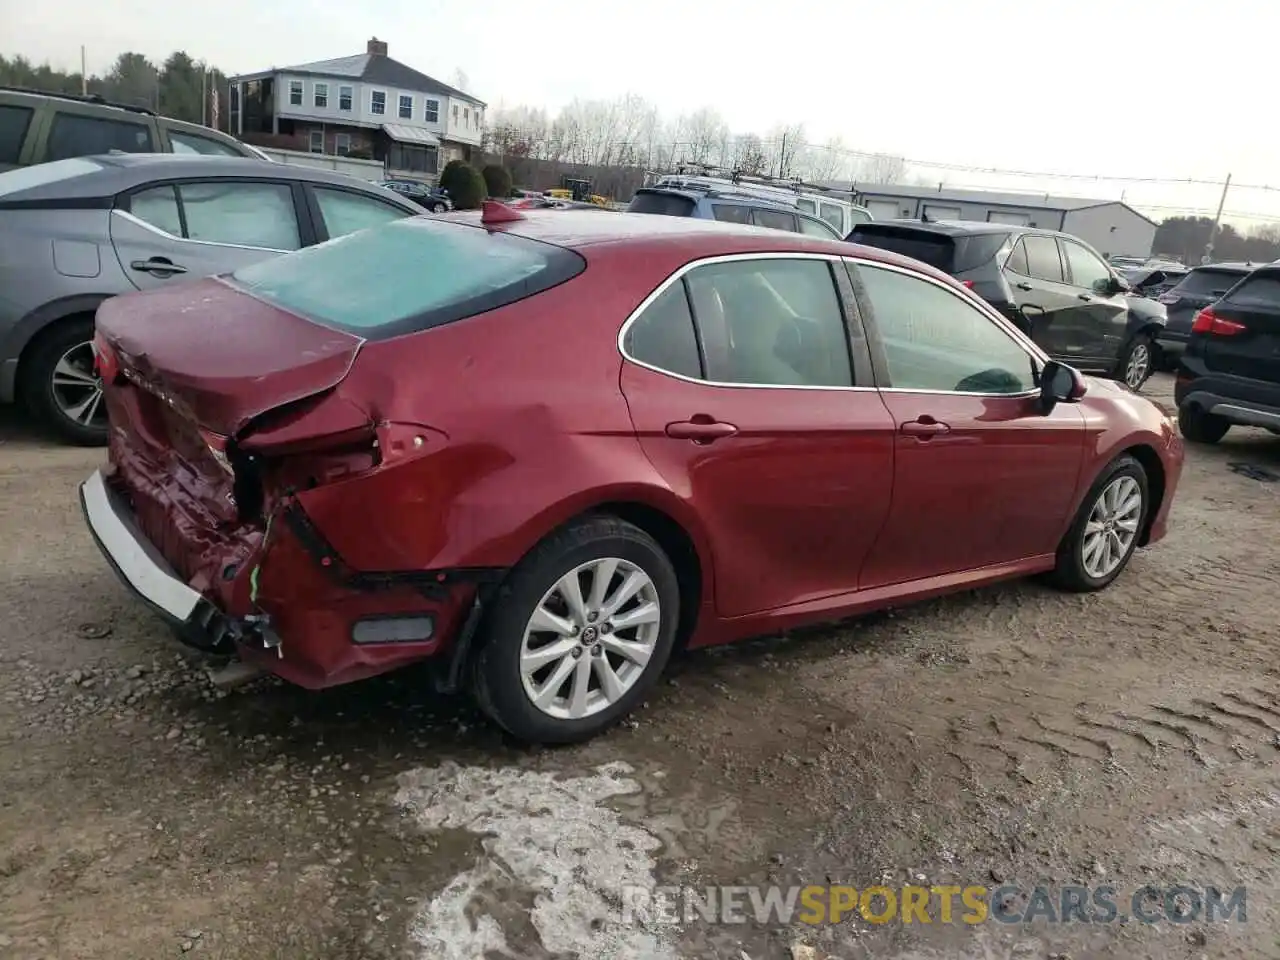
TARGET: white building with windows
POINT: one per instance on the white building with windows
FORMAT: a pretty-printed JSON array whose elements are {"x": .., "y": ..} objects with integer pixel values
[
  {"x": 366, "y": 105},
  {"x": 1110, "y": 226}
]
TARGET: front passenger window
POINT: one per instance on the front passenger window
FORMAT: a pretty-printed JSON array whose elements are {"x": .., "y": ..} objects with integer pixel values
[
  {"x": 934, "y": 340},
  {"x": 1087, "y": 270}
]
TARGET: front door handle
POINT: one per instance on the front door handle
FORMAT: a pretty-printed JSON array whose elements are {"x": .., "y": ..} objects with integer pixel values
[
  {"x": 157, "y": 265},
  {"x": 924, "y": 427},
  {"x": 700, "y": 429},
  {"x": 1085, "y": 297}
]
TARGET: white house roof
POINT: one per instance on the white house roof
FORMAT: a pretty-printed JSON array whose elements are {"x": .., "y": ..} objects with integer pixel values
[{"x": 376, "y": 69}]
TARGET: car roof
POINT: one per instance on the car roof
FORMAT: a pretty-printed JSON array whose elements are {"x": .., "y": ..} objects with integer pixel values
[
  {"x": 1230, "y": 266},
  {"x": 696, "y": 237},
  {"x": 118, "y": 172},
  {"x": 720, "y": 194},
  {"x": 956, "y": 227}
]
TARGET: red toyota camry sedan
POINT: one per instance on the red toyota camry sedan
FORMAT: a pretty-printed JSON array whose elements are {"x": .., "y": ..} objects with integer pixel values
[{"x": 546, "y": 447}]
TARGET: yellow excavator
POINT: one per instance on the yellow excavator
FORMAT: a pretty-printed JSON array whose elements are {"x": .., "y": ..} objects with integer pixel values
[{"x": 577, "y": 190}]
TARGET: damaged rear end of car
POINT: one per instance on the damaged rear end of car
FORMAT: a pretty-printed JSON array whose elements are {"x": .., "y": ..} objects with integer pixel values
[{"x": 236, "y": 423}]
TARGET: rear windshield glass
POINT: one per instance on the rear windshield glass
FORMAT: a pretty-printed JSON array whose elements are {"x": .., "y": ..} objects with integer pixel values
[
  {"x": 950, "y": 254},
  {"x": 42, "y": 174},
  {"x": 1209, "y": 282},
  {"x": 407, "y": 275},
  {"x": 667, "y": 204},
  {"x": 1259, "y": 290}
]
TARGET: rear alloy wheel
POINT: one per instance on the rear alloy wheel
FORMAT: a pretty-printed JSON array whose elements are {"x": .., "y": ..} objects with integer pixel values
[
  {"x": 579, "y": 633},
  {"x": 1105, "y": 532},
  {"x": 1138, "y": 361},
  {"x": 437, "y": 207},
  {"x": 1200, "y": 427},
  {"x": 61, "y": 386}
]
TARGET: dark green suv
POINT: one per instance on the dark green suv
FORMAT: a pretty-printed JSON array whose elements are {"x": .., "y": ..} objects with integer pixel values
[{"x": 36, "y": 127}]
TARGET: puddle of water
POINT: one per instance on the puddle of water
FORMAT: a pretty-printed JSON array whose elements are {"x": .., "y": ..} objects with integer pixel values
[{"x": 549, "y": 841}]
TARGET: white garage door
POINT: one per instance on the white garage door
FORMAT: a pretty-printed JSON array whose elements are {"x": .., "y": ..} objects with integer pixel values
[
  {"x": 884, "y": 209},
  {"x": 1009, "y": 216},
  {"x": 935, "y": 212}
]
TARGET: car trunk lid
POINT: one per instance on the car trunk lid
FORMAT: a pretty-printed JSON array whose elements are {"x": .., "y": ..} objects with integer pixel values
[
  {"x": 1195, "y": 291},
  {"x": 219, "y": 357}
]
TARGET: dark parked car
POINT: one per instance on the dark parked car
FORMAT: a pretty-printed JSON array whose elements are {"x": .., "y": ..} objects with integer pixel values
[
  {"x": 1230, "y": 372},
  {"x": 729, "y": 207},
  {"x": 1199, "y": 288},
  {"x": 427, "y": 196},
  {"x": 1052, "y": 285},
  {"x": 75, "y": 232},
  {"x": 752, "y": 430}
]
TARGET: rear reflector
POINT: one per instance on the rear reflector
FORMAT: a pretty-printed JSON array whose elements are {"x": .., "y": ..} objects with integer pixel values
[
  {"x": 1208, "y": 322},
  {"x": 105, "y": 362},
  {"x": 968, "y": 284},
  {"x": 393, "y": 630}
]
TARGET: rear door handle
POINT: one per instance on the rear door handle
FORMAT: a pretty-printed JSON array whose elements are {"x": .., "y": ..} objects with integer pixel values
[
  {"x": 157, "y": 265},
  {"x": 700, "y": 429},
  {"x": 1023, "y": 286},
  {"x": 924, "y": 427},
  {"x": 1085, "y": 297}
]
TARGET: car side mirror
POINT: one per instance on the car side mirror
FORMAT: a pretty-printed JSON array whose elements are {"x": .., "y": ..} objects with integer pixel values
[
  {"x": 1114, "y": 285},
  {"x": 1060, "y": 383}
]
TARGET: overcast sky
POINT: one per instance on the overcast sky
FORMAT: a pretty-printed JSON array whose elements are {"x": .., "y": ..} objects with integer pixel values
[{"x": 1090, "y": 87}]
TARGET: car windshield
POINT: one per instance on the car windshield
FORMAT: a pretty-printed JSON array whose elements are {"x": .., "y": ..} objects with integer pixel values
[
  {"x": 407, "y": 275},
  {"x": 42, "y": 174}
]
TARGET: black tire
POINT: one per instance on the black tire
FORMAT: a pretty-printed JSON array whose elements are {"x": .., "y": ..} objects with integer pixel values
[
  {"x": 1142, "y": 349},
  {"x": 437, "y": 207},
  {"x": 496, "y": 682},
  {"x": 1201, "y": 427},
  {"x": 1070, "y": 573},
  {"x": 37, "y": 382}
]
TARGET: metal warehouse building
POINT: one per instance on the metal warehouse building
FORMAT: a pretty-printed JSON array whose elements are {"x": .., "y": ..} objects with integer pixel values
[{"x": 1111, "y": 227}]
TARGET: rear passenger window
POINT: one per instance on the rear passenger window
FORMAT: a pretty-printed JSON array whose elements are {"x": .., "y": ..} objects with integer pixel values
[
  {"x": 833, "y": 215},
  {"x": 158, "y": 207},
  {"x": 663, "y": 336},
  {"x": 817, "y": 228},
  {"x": 1043, "y": 261},
  {"x": 774, "y": 322},
  {"x": 183, "y": 142},
  {"x": 13, "y": 130},
  {"x": 76, "y": 136},
  {"x": 775, "y": 219},
  {"x": 731, "y": 212}
]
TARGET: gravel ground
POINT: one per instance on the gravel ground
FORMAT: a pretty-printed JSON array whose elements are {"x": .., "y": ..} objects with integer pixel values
[{"x": 1007, "y": 735}]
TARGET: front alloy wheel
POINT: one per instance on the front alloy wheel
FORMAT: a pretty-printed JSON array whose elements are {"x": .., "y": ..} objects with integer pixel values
[
  {"x": 1106, "y": 529},
  {"x": 1112, "y": 527},
  {"x": 578, "y": 632}
]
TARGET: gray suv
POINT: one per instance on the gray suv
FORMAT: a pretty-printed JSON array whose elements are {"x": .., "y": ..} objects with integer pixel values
[
  {"x": 75, "y": 232},
  {"x": 731, "y": 207}
]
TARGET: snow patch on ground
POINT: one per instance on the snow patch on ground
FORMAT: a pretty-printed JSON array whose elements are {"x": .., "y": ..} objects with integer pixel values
[{"x": 546, "y": 839}]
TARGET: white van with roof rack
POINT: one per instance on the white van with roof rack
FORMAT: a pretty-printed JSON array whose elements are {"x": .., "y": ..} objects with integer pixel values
[{"x": 816, "y": 201}]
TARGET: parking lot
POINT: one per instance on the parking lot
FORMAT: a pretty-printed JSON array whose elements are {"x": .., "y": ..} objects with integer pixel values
[{"x": 1014, "y": 734}]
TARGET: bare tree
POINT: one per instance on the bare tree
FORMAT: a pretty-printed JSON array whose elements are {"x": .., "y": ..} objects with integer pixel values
[
  {"x": 704, "y": 131},
  {"x": 881, "y": 168},
  {"x": 460, "y": 81},
  {"x": 749, "y": 154},
  {"x": 782, "y": 147}
]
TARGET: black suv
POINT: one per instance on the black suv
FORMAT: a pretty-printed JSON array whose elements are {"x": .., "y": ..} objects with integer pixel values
[
  {"x": 1054, "y": 286},
  {"x": 1199, "y": 288},
  {"x": 1230, "y": 372}
]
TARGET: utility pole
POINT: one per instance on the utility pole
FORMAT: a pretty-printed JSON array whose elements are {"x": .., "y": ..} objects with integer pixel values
[
  {"x": 204, "y": 94},
  {"x": 1217, "y": 219},
  {"x": 782, "y": 154},
  {"x": 84, "y": 74}
]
